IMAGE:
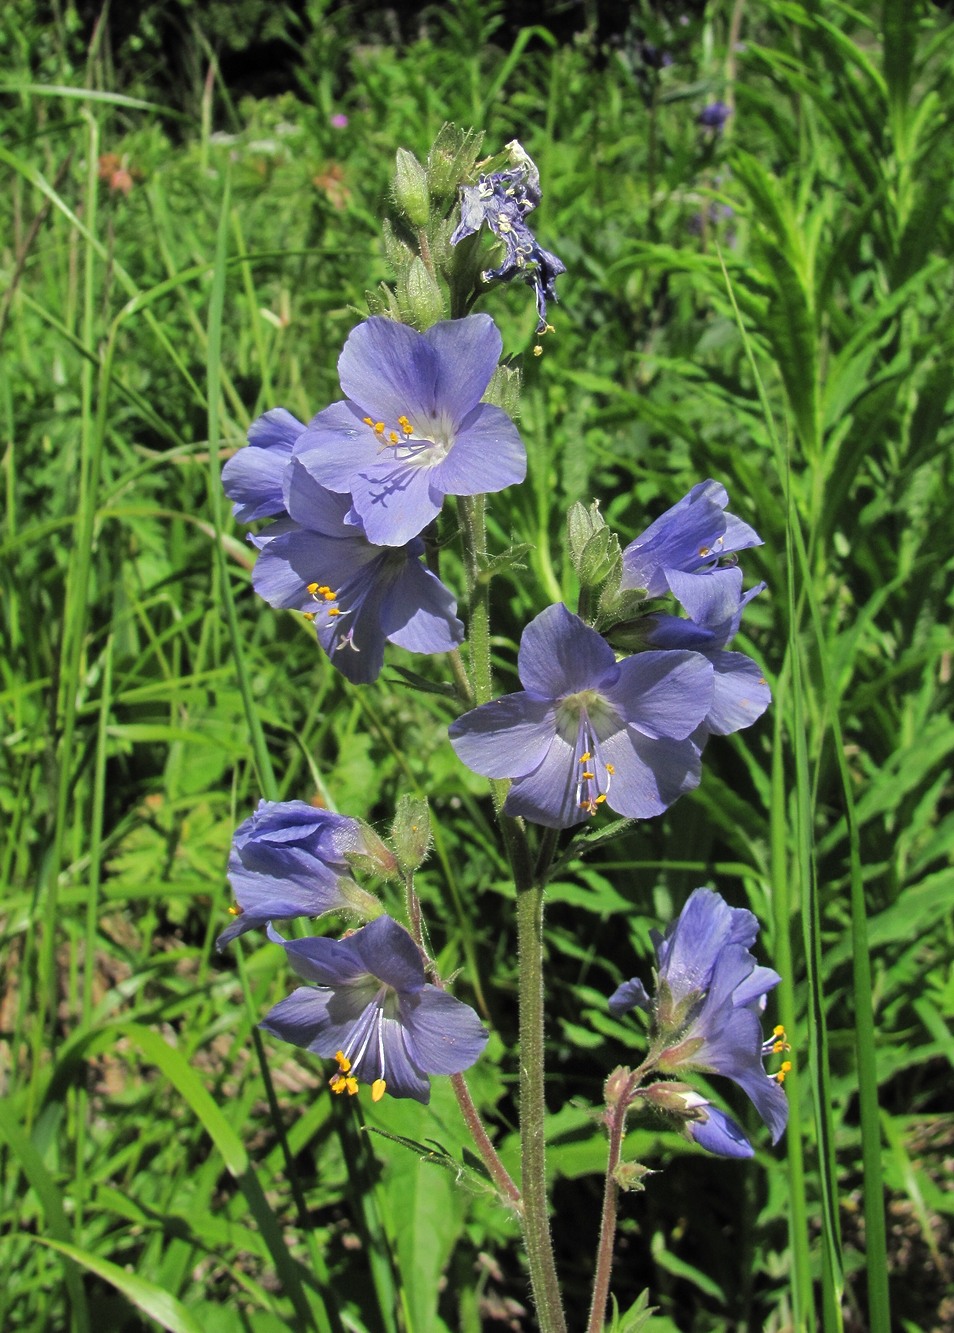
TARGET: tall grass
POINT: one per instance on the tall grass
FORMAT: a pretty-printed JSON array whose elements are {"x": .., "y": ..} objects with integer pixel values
[{"x": 161, "y": 1164}]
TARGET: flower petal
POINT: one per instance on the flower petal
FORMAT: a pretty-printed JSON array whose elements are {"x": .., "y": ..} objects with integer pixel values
[
  {"x": 650, "y": 775},
  {"x": 335, "y": 444},
  {"x": 395, "y": 500},
  {"x": 419, "y": 613},
  {"x": 487, "y": 455},
  {"x": 390, "y": 370},
  {"x": 389, "y": 953},
  {"x": 468, "y": 351},
  {"x": 506, "y": 738},
  {"x": 560, "y": 655},
  {"x": 631, "y": 994},
  {"x": 719, "y": 1134},
  {"x": 740, "y": 694},
  {"x": 663, "y": 694},
  {"x": 550, "y": 794},
  {"x": 443, "y": 1035}
]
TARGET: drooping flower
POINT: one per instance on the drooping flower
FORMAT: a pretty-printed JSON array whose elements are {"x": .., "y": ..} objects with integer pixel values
[
  {"x": 714, "y": 1130},
  {"x": 370, "y": 1008},
  {"x": 689, "y": 538},
  {"x": 288, "y": 860},
  {"x": 587, "y": 729},
  {"x": 706, "y": 1013},
  {"x": 413, "y": 428},
  {"x": 501, "y": 200},
  {"x": 358, "y": 594},
  {"x": 252, "y": 478},
  {"x": 715, "y": 605}
]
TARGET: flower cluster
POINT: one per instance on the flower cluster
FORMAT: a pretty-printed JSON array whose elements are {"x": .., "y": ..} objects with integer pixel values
[
  {"x": 588, "y": 730},
  {"x": 371, "y": 1008},
  {"x": 706, "y": 1015},
  {"x": 501, "y": 201},
  {"x": 354, "y": 489}
]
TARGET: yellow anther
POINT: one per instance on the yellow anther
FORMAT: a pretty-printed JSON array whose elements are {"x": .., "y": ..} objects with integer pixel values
[
  {"x": 586, "y": 775},
  {"x": 585, "y": 758},
  {"x": 778, "y": 1030},
  {"x": 309, "y": 615},
  {"x": 786, "y": 1068},
  {"x": 344, "y": 1064},
  {"x": 610, "y": 769},
  {"x": 538, "y": 350},
  {"x": 703, "y": 551},
  {"x": 313, "y": 588},
  {"x": 368, "y": 421},
  {"x": 334, "y": 611},
  {"x": 377, "y": 1089},
  {"x": 601, "y": 798},
  {"x": 405, "y": 425},
  {"x": 379, "y": 428},
  {"x": 235, "y": 911},
  {"x": 393, "y": 436},
  {"x": 328, "y": 595}
]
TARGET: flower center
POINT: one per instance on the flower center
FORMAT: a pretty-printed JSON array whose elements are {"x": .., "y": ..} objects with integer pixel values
[
  {"x": 406, "y": 445},
  {"x": 365, "y": 1043},
  {"x": 327, "y": 599},
  {"x": 581, "y": 717}
]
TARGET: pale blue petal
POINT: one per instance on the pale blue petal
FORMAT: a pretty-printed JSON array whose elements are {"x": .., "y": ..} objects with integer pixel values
[
  {"x": 663, "y": 694},
  {"x": 468, "y": 351},
  {"x": 506, "y": 738},
  {"x": 487, "y": 455},
  {"x": 419, "y": 613},
  {"x": 559, "y": 655}
]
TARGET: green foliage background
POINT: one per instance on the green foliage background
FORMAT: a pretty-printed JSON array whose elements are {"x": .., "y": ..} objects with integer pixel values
[{"x": 771, "y": 306}]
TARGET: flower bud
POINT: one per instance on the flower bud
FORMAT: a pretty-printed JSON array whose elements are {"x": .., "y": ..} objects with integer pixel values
[
  {"x": 420, "y": 296},
  {"x": 410, "y": 188},
  {"x": 617, "y": 1085},
  {"x": 670, "y": 1097},
  {"x": 594, "y": 549},
  {"x": 411, "y": 832},
  {"x": 371, "y": 854}
]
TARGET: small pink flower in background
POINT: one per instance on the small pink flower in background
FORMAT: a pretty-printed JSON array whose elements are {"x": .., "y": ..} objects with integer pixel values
[{"x": 339, "y": 120}]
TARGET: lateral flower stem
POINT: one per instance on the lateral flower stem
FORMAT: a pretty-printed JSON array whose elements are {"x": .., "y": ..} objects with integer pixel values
[
  {"x": 604, "y": 1254},
  {"x": 482, "y": 1141}
]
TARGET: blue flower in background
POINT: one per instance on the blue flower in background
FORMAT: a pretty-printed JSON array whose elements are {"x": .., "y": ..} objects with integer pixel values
[
  {"x": 252, "y": 478},
  {"x": 286, "y": 861},
  {"x": 714, "y": 116},
  {"x": 359, "y": 595},
  {"x": 689, "y": 538},
  {"x": 710, "y": 994},
  {"x": 588, "y": 730},
  {"x": 714, "y": 605},
  {"x": 500, "y": 201},
  {"x": 370, "y": 1008},
  {"x": 413, "y": 428}
]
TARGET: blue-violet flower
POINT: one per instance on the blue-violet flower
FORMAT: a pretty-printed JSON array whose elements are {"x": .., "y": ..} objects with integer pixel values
[
  {"x": 288, "y": 860},
  {"x": 370, "y": 1009},
  {"x": 689, "y": 538},
  {"x": 710, "y": 993},
  {"x": 413, "y": 428},
  {"x": 319, "y": 561},
  {"x": 587, "y": 729}
]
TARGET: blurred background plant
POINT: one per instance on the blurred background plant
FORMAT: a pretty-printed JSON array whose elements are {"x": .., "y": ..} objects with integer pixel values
[{"x": 191, "y": 220}]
